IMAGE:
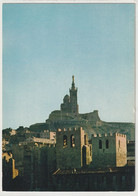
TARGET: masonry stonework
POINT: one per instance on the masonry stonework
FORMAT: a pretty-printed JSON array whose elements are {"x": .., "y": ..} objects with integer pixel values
[
  {"x": 109, "y": 150},
  {"x": 70, "y": 151},
  {"x": 121, "y": 150}
]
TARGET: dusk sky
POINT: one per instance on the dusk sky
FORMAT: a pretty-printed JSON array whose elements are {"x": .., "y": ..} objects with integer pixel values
[{"x": 45, "y": 44}]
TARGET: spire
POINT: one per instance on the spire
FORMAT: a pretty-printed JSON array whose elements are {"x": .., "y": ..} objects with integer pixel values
[
  {"x": 73, "y": 79},
  {"x": 73, "y": 84}
]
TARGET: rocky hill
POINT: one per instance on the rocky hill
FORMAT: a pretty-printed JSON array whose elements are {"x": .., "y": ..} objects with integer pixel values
[{"x": 90, "y": 122}]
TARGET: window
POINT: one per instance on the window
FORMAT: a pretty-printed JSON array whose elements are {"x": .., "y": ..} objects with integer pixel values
[
  {"x": 119, "y": 143},
  {"x": 72, "y": 141},
  {"x": 100, "y": 144},
  {"x": 64, "y": 140},
  {"x": 84, "y": 139},
  {"x": 107, "y": 143}
]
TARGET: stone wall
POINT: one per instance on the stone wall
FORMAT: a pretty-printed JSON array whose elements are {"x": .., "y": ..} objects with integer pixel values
[
  {"x": 121, "y": 150},
  {"x": 68, "y": 155},
  {"x": 103, "y": 156},
  {"x": 107, "y": 151}
]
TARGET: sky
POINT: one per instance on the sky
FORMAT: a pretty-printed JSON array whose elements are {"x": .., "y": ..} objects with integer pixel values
[{"x": 45, "y": 44}]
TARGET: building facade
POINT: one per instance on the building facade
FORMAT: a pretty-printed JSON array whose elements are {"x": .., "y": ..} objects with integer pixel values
[
  {"x": 72, "y": 148},
  {"x": 109, "y": 150}
]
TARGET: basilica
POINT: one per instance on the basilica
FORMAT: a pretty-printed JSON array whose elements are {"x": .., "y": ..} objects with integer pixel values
[{"x": 69, "y": 104}]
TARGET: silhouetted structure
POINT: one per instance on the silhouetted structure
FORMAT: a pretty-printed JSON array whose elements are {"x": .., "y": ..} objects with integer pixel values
[{"x": 69, "y": 104}]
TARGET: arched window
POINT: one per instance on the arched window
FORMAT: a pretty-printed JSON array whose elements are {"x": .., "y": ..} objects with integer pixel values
[
  {"x": 64, "y": 140},
  {"x": 100, "y": 144},
  {"x": 84, "y": 139},
  {"x": 72, "y": 140},
  {"x": 107, "y": 143}
]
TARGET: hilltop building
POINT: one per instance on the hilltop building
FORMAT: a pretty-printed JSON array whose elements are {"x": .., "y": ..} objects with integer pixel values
[
  {"x": 69, "y": 117},
  {"x": 69, "y": 104}
]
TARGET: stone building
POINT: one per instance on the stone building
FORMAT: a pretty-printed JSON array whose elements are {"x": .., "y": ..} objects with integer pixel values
[
  {"x": 18, "y": 155},
  {"x": 72, "y": 148},
  {"x": 69, "y": 104},
  {"x": 48, "y": 134},
  {"x": 109, "y": 150},
  {"x": 35, "y": 161}
]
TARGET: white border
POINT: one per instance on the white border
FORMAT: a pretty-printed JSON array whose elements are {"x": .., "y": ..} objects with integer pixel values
[{"x": 135, "y": 109}]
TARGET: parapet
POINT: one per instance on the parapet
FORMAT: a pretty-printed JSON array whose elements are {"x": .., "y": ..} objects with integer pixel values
[
  {"x": 94, "y": 135},
  {"x": 108, "y": 134},
  {"x": 69, "y": 129},
  {"x": 119, "y": 134},
  {"x": 101, "y": 135}
]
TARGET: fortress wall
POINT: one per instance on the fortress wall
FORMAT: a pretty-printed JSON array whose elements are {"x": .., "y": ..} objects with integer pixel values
[
  {"x": 112, "y": 155},
  {"x": 68, "y": 156},
  {"x": 104, "y": 157}
]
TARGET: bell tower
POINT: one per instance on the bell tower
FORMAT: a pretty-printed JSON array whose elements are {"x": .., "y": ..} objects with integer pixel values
[{"x": 73, "y": 98}]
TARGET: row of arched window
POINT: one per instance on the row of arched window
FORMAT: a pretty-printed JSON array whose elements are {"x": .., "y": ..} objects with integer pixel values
[
  {"x": 72, "y": 141},
  {"x": 106, "y": 144}
]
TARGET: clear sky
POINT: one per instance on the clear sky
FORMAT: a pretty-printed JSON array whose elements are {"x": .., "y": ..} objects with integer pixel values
[{"x": 45, "y": 44}]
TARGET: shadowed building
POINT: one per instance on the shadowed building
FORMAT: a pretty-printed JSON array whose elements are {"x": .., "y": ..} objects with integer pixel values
[
  {"x": 109, "y": 150},
  {"x": 9, "y": 170},
  {"x": 101, "y": 166},
  {"x": 131, "y": 150},
  {"x": 108, "y": 179},
  {"x": 72, "y": 149},
  {"x": 69, "y": 104},
  {"x": 35, "y": 160}
]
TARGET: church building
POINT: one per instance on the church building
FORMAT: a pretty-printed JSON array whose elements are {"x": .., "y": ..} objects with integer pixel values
[{"x": 69, "y": 104}]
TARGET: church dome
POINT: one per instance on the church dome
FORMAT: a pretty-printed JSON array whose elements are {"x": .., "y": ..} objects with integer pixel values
[{"x": 66, "y": 98}]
